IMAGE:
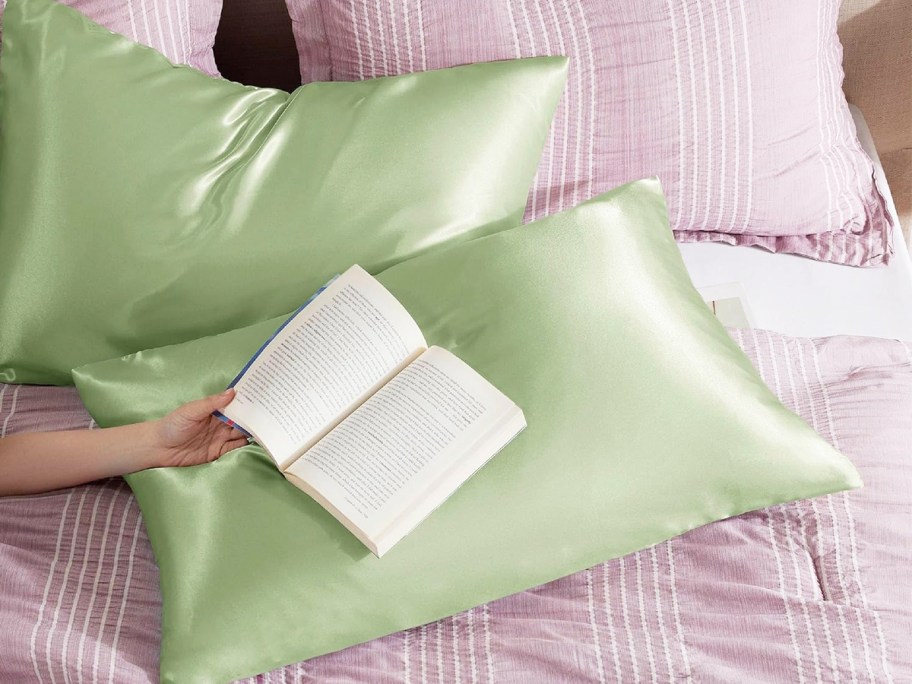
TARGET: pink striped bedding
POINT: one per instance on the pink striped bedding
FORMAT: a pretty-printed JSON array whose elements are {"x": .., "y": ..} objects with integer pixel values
[
  {"x": 736, "y": 106},
  {"x": 812, "y": 591}
]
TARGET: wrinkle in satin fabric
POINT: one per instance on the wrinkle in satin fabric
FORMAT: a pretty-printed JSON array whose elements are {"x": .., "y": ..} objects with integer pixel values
[{"x": 644, "y": 421}]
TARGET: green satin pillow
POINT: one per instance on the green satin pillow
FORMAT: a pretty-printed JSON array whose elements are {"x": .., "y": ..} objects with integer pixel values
[
  {"x": 645, "y": 420},
  {"x": 144, "y": 204}
]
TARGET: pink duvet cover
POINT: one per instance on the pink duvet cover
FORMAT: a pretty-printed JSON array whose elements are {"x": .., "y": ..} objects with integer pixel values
[{"x": 819, "y": 590}]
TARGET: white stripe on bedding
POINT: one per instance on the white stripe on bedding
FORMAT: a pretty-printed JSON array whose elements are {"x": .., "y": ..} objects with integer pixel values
[
  {"x": 794, "y": 546},
  {"x": 489, "y": 654},
  {"x": 660, "y": 614},
  {"x": 381, "y": 39},
  {"x": 47, "y": 587},
  {"x": 609, "y": 620},
  {"x": 137, "y": 526},
  {"x": 115, "y": 499},
  {"x": 64, "y": 586},
  {"x": 676, "y": 608},
  {"x": 593, "y": 625},
  {"x": 12, "y": 410},
  {"x": 74, "y": 606},
  {"x": 625, "y": 613},
  {"x": 107, "y": 605},
  {"x": 774, "y": 542},
  {"x": 641, "y": 601}
]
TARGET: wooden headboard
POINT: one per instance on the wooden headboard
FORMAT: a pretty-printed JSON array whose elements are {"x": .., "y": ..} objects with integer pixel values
[{"x": 255, "y": 46}]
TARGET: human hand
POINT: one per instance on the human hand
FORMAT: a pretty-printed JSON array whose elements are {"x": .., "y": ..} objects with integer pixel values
[{"x": 191, "y": 435}]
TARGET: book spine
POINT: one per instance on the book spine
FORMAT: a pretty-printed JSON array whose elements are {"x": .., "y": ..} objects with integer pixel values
[{"x": 230, "y": 423}]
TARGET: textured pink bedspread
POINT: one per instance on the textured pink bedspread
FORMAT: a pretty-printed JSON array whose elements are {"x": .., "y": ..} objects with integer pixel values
[{"x": 818, "y": 590}]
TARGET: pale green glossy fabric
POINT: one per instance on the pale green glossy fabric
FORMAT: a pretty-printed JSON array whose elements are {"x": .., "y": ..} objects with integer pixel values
[
  {"x": 645, "y": 420},
  {"x": 144, "y": 204}
]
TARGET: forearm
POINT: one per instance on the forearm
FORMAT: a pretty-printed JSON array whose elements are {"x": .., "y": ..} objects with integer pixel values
[{"x": 41, "y": 461}]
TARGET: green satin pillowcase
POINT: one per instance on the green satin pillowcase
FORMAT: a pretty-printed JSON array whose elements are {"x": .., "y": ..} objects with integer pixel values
[
  {"x": 645, "y": 420},
  {"x": 144, "y": 204}
]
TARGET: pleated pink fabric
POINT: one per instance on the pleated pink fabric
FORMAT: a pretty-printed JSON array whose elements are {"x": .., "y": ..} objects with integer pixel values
[
  {"x": 737, "y": 106},
  {"x": 182, "y": 30},
  {"x": 812, "y": 591}
]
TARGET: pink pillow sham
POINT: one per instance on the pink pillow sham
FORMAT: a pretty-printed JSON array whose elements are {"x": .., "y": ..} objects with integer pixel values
[
  {"x": 736, "y": 106},
  {"x": 182, "y": 30}
]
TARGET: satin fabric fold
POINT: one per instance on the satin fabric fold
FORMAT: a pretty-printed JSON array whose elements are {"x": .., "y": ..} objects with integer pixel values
[
  {"x": 144, "y": 204},
  {"x": 644, "y": 419}
]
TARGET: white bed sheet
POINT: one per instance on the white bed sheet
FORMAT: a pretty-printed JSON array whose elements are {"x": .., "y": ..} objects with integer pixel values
[{"x": 799, "y": 296}]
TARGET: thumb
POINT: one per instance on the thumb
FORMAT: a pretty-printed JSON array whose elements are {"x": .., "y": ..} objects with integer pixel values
[{"x": 201, "y": 408}]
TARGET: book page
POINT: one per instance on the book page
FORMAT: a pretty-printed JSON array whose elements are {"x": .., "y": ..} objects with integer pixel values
[
  {"x": 331, "y": 356},
  {"x": 378, "y": 461}
]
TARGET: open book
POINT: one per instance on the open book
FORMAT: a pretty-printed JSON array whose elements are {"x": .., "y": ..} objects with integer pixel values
[{"x": 357, "y": 412}]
